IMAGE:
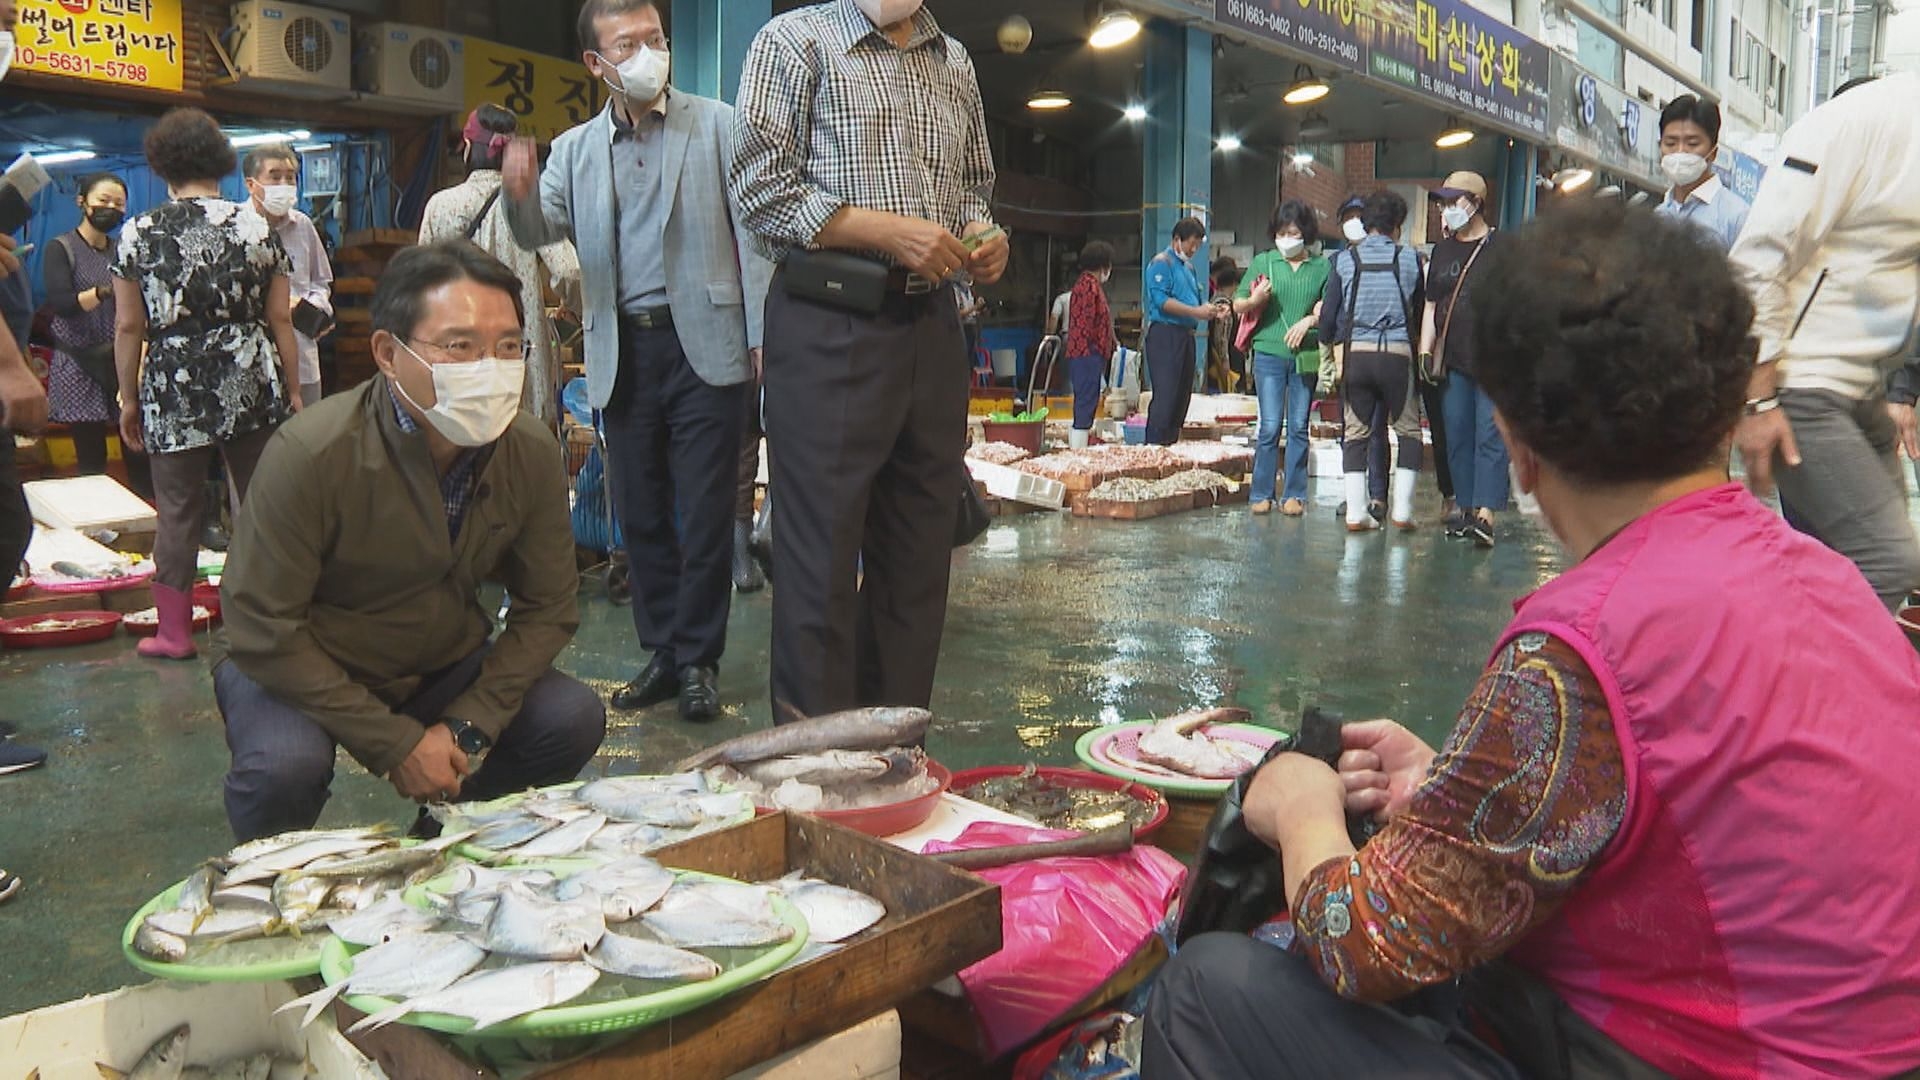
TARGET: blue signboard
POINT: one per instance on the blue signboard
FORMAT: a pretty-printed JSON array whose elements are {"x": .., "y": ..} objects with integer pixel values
[
  {"x": 1741, "y": 174},
  {"x": 1445, "y": 50}
]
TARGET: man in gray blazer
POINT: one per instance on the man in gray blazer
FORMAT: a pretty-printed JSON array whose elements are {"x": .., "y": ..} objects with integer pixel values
[{"x": 674, "y": 293}]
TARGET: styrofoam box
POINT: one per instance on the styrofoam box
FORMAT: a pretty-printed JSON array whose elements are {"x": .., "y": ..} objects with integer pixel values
[
  {"x": 1005, "y": 483},
  {"x": 88, "y": 503},
  {"x": 64, "y": 1042}
]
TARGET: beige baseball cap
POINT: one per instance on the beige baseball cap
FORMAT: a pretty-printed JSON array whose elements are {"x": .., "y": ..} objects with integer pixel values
[{"x": 1462, "y": 183}]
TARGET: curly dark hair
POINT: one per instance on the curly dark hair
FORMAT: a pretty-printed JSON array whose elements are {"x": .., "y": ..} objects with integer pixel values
[
  {"x": 1299, "y": 215},
  {"x": 1384, "y": 212},
  {"x": 187, "y": 145},
  {"x": 1616, "y": 344},
  {"x": 1096, "y": 256}
]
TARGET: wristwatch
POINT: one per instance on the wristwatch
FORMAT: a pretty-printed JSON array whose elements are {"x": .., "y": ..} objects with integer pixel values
[
  {"x": 468, "y": 738},
  {"x": 1760, "y": 406}
]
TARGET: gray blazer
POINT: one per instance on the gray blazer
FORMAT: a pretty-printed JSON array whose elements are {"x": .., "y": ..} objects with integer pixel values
[{"x": 716, "y": 278}]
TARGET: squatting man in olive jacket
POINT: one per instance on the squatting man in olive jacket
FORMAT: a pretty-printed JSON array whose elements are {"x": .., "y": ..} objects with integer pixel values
[{"x": 350, "y": 595}]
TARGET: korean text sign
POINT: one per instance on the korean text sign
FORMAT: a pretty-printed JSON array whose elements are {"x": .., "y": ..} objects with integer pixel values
[
  {"x": 547, "y": 93},
  {"x": 129, "y": 42}
]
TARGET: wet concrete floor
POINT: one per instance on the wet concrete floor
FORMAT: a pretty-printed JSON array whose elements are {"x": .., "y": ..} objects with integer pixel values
[{"x": 1057, "y": 624}]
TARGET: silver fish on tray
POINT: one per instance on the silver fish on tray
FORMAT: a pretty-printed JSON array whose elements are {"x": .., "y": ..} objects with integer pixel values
[
  {"x": 531, "y": 927},
  {"x": 494, "y": 997},
  {"x": 833, "y": 912},
  {"x": 388, "y": 918},
  {"x": 164, "y": 1060},
  {"x": 565, "y": 840},
  {"x": 720, "y": 929},
  {"x": 855, "y": 729},
  {"x": 630, "y": 957},
  {"x": 829, "y": 767},
  {"x": 624, "y": 890},
  {"x": 406, "y": 967}
]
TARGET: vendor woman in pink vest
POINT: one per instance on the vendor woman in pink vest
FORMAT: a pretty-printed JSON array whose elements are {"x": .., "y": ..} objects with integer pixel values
[{"x": 1676, "y": 829}]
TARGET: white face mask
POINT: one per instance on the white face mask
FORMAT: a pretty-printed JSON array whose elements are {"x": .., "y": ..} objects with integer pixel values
[
  {"x": 474, "y": 402},
  {"x": 6, "y": 52},
  {"x": 642, "y": 76},
  {"x": 1455, "y": 218},
  {"x": 1683, "y": 169},
  {"x": 1289, "y": 246},
  {"x": 887, "y": 12},
  {"x": 278, "y": 199},
  {"x": 1353, "y": 231}
]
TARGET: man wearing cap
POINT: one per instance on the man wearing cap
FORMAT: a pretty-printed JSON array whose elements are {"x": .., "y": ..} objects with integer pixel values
[
  {"x": 1689, "y": 141},
  {"x": 1464, "y": 436}
]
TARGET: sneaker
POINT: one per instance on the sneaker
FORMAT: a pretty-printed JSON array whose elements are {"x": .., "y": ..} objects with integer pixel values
[
  {"x": 1455, "y": 525},
  {"x": 1481, "y": 529},
  {"x": 8, "y": 886},
  {"x": 14, "y": 757}
]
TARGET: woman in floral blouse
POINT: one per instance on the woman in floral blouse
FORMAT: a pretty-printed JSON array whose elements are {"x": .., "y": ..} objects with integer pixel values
[
  {"x": 1089, "y": 333},
  {"x": 203, "y": 285}
]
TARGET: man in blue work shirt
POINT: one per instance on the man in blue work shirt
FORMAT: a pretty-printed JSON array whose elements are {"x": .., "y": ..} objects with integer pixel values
[
  {"x": 1689, "y": 141},
  {"x": 1174, "y": 315}
]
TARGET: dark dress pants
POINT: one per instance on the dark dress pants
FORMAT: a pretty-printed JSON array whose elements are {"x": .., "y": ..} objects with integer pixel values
[
  {"x": 1170, "y": 358},
  {"x": 866, "y": 426},
  {"x": 282, "y": 766},
  {"x": 1229, "y": 1007},
  {"x": 673, "y": 440}
]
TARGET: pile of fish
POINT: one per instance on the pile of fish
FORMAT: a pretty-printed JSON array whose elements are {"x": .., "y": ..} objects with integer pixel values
[
  {"x": 997, "y": 453},
  {"x": 851, "y": 760},
  {"x": 499, "y": 943},
  {"x": 167, "y": 1060},
  {"x": 1181, "y": 744},
  {"x": 1212, "y": 455},
  {"x": 631, "y": 815},
  {"x": 1060, "y": 806},
  {"x": 293, "y": 886},
  {"x": 1181, "y": 483},
  {"x": 1199, "y": 480}
]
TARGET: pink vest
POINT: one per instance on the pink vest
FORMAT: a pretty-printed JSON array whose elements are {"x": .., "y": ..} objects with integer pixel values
[{"x": 1759, "y": 913}]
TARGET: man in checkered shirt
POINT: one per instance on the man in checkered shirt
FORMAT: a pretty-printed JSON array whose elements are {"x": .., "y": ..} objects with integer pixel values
[{"x": 859, "y": 128}]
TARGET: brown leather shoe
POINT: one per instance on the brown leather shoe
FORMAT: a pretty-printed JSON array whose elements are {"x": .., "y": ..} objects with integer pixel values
[
  {"x": 1293, "y": 508},
  {"x": 1264, "y": 506}
]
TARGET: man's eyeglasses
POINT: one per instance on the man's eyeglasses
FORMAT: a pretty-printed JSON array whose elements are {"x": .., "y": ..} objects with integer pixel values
[
  {"x": 465, "y": 350},
  {"x": 622, "y": 50}
]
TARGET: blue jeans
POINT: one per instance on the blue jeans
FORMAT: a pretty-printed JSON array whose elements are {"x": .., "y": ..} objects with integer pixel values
[
  {"x": 1285, "y": 395},
  {"x": 1476, "y": 453}
]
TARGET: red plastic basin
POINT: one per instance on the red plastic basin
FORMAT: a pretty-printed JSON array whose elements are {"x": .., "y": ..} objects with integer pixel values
[
  {"x": 899, "y": 817},
  {"x": 1083, "y": 778},
  {"x": 92, "y": 626}
]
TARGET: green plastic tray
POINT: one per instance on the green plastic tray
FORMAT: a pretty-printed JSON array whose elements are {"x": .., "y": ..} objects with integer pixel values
[
  {"x": 1091, "y": 749},
  {"x": 496, "y": 858},
  {"x": 598, "y": 1018},
  {"x": 305, "y": 963}
]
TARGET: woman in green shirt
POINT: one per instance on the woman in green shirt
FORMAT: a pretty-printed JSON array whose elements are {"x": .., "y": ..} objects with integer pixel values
[{"x": 1282, "y": 289}]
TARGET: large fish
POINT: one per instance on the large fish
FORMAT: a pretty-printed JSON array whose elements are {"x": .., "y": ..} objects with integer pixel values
[
  {"x": 295, "y": 856},
  {"x": 618, "y": 954},
  {"x": 494, "y": 997},
  {"x": 624, "y": 889},
  {"x": 855, "y": 729},
  {"x": 406, "y": 967},
  {"x": 1176, "y": 743},
  {"x": 386, "y": 919},
  {"x": 530, "y": 927},
  {"x": 827, "y": 768},
  {"x": 266, "y": 845},
  {"x": 164, "y": 1060},
  {"x": 565, "y": 840},
  {"x": 716, "y": 915},
  {"x": 833, "y": 912}
]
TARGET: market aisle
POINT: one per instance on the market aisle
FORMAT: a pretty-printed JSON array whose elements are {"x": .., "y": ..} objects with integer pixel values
[{"x": 1057, "y": 624}]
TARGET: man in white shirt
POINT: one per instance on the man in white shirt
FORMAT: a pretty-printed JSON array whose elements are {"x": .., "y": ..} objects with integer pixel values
[
  {"x": 1689, "y": 143},
  {"x": 1831, "y": 253},
  {"x": 1057, "y": 318},
  {"x": 273, "y": 182}
]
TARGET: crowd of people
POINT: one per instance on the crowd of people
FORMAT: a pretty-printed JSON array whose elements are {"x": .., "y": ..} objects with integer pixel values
[{"x": 1632, "y": 856}]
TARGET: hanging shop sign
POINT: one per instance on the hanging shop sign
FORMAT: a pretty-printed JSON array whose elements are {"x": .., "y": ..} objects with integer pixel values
[
  {"x": 1739, "y": 171},
  {"x": 547, "y": 93},
  {"x": 127, "y": 42},
  {"x": 1178, "y": 9},
  {"x": 1604, "y": 124},
  {"x": 1447, "y": 51}
]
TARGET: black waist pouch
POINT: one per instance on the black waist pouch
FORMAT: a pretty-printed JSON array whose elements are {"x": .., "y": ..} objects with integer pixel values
[{"x": 836, "y": 279}]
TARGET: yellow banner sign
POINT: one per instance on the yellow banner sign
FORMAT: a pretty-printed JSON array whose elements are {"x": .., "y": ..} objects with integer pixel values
[
  {"x": 547, "y": 93},
  {"x": 129, "y": 42}
]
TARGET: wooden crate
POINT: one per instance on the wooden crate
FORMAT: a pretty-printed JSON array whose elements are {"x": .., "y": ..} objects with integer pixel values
[
  {"x": 1133, "y": 511},
  {"x": 1186, "y": 826},
  {"x": 939, "y": 920}
]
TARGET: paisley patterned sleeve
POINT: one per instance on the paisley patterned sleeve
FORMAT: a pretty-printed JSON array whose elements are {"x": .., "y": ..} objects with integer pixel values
[{"x": 1521, "y": 801}]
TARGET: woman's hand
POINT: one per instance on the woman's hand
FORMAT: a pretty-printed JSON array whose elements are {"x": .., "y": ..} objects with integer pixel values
[
  {"x": 130, "y": 429},
  {"x": 1292, "y": 792},
  {"x": 1382, "y": 765},
  {"x": 1298, "y": 332}
]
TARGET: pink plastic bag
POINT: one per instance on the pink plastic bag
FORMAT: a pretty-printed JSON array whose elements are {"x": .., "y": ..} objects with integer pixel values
[{"x": 1067, "y": 926}]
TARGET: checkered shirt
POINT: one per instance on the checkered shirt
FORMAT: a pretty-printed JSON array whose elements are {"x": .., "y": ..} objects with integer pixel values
[
  {"x": 457, "y": 487},
  {"x": 832, "y": 114}
]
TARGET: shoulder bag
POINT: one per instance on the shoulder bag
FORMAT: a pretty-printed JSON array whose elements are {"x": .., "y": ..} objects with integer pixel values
[
  {"x": 96, "y": 362},
  {"x": 1434, "y": 368}
]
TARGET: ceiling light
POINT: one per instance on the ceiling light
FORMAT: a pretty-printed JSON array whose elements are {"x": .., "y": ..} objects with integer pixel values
[
  {"x": 65, "y": 157},
  {"x": 1135, "y": 113},
  {"x": 1611, "y": 191},
  {"x": 1229, "y": 143},
  {"x": 1047, "y": 100},
  {"x": 1302, "y": 159},
  {"x": 1114, "y": 27},
  {"x": 1306, "y": 87},
  {"x": 244, "y": 141},
  {"x": 1572, "y": 179},
  {"x": 1456, "y": 135},
  {"x": 1316, "y": 126}
]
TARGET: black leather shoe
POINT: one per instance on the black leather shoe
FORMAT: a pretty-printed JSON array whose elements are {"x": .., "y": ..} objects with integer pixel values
[
  {"x": 746, "y": 571},
  {"x": 652, "y": 686},
  {"x": 699, "y": 694}
]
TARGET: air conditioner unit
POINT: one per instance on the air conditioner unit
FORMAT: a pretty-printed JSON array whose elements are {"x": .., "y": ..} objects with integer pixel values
[
  {"x": 410, "y": 67},
  {"x": 292, "y": 49}
]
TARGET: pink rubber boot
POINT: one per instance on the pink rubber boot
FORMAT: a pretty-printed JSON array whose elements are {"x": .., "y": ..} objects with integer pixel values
[{"x": 175, "y": 639}]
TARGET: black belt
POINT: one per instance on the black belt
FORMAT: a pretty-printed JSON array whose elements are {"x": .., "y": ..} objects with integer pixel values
[{"x": 657, "y": 318}]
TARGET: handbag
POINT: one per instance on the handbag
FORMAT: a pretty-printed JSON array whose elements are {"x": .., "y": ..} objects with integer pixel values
[
  {"x": 836, "y": 279},
  {"x": 1433, "y": 366},
  {"x": 1250, "y": 321}
]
